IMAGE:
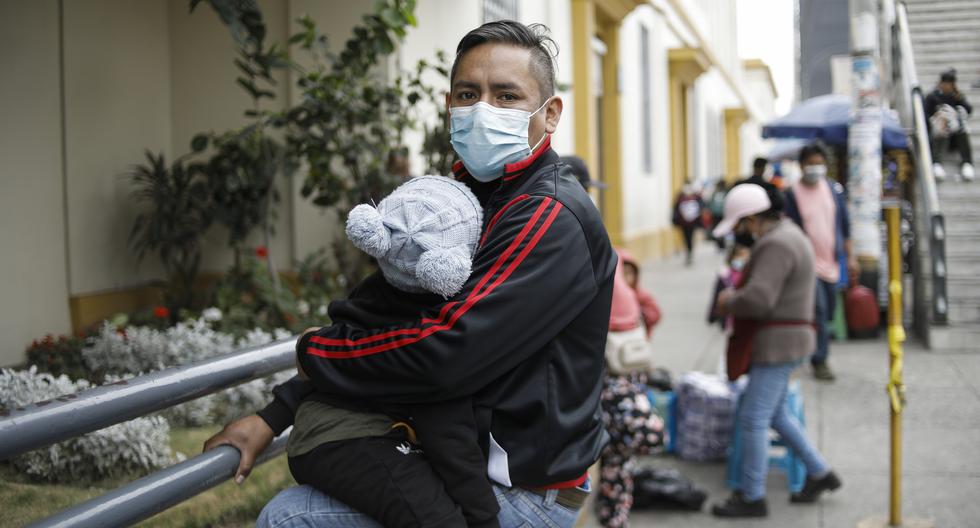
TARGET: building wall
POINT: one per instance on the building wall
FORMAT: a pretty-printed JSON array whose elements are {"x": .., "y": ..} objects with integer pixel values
[
  {"x": 117, "y": 103},
  {"x": 34, "y": 287},
  {"x": 823, "y": 32},
  {"x": 646, "y": 194},
  {"x": 204, "y": 98},
  {"x": 313, "y": 227}
]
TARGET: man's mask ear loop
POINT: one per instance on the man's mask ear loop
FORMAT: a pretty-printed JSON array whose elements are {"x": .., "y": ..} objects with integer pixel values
[{"x": 540, "y": 141}]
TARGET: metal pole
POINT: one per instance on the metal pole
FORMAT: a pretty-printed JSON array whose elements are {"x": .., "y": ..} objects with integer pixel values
[
  {"x": 154, "y": 493},
  {"x": 896, "y": 336},
  {"x": 47, "y": 422}
]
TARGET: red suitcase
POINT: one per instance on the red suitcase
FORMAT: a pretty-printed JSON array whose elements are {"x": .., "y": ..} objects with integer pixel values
[{"x": 861, "y": 310}]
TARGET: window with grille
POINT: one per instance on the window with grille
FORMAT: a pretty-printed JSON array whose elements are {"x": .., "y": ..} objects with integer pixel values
[{"x": 494, "y": 10}]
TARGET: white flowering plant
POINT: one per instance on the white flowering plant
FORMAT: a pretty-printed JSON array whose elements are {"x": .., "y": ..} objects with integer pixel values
[
  {"x": 139, "y": 350},
  {"x": 138, "y": 445}
]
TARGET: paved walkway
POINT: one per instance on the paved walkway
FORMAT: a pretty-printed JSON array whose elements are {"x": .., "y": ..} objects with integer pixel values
[{"x": 848, "y": 420}]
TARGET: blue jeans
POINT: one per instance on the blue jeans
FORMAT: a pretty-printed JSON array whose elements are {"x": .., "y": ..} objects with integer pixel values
[
  {"x": 826, "y": 303},
  {"x": 762, "y": 406},
  {"x": 305, "y": 507}
]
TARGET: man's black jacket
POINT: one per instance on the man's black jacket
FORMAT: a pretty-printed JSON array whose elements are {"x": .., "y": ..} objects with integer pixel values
[{"x": 525, "y": 337}]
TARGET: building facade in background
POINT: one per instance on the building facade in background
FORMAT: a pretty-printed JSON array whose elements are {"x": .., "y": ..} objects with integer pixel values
[
  {"x": 823, "y": 30},
  {"x": 655, "y": 95}
]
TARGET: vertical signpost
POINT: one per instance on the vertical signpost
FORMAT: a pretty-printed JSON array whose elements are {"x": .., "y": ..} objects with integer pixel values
[
  {"x": 864, "y": 177},
  {"x": 864, "y": 134}
]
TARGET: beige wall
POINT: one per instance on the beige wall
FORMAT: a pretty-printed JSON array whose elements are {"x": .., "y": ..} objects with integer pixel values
[
  {"x": 117, "y": 103},
  {"x": 204, "y": 97},
  {"x": 315, "y": 227},
  {"x": 33, "y": 287}
]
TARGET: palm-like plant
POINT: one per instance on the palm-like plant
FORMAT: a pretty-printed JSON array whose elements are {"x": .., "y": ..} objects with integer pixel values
[{"x": 176, "y": 217}]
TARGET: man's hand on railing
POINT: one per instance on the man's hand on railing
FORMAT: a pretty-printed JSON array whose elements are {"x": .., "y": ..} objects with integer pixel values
[{"x": 250, "y": 435}]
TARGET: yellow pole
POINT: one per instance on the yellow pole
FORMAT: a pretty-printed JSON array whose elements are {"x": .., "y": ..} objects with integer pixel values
[{"x": 896, "y": 336}]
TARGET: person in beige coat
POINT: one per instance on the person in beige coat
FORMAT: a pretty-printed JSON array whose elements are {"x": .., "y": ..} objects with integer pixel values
[{"x": 776, "y": 295}]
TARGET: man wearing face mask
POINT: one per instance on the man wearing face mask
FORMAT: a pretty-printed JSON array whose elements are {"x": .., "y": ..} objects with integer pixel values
[
  {"x": 819, "y": 207},
  {"x": 525, "y": 337}
]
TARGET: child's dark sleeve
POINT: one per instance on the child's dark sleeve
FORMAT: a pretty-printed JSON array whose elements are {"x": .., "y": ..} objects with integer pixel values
[{"x": 449, "y": 438}]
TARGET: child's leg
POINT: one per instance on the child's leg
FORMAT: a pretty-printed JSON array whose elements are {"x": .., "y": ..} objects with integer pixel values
[
  {"x": 385, "y": 477},
  {"x": 449, "y": 437}
]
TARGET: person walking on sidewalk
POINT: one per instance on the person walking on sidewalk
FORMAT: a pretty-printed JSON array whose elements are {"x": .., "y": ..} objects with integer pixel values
[
  {"x": 776, "y": 296},
  {"x": 947, "y": 110},
  {"x": 819, "y": 207},
  {"x": 688, "y": 217}
]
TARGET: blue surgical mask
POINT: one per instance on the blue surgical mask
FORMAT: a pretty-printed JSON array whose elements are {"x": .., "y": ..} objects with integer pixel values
[
  {"x": 737, "y": 264},
  {"x": 487, "y": 138}
]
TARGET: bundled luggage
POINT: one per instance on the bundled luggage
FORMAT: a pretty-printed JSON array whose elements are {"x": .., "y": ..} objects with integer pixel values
[{"x": 705, "y": 417}]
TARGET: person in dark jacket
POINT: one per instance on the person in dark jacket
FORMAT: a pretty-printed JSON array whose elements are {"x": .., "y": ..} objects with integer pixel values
[
  {"x": 525, "y": 337},
  {"x": 947, "y": 109},
  {"x": 758, "y": 172}
]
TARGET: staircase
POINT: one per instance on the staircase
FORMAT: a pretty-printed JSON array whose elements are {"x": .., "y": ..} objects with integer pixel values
[{"x": 946, "y": 33}]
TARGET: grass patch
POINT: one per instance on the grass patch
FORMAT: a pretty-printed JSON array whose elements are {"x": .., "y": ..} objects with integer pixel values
[{"x": 23, "y": 502}]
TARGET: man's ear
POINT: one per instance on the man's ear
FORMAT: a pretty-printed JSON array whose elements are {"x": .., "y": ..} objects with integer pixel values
[
  {"x": 448, "y": 105},
  {"x": 553, "y": 114}
]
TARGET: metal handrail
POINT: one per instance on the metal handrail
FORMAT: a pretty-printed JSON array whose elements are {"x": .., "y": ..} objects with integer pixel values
[
  {"x": 143, "y": 498},
  {"x": 44, "y": 423},
  {"x": 915, "y": 107}
]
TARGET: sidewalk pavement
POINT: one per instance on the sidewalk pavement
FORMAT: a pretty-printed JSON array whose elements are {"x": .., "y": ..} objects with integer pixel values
[{"x": 847, "y": 419}]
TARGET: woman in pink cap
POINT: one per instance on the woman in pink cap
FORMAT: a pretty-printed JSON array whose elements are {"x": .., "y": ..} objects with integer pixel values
[{"x": 773, "y": 310}]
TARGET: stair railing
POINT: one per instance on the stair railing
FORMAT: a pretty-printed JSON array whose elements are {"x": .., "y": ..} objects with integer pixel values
[{"x": 915, "y": 118}]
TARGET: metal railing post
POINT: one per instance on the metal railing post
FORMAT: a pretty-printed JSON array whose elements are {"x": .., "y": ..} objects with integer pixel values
[
  {"x": 154, "y": 493},
  {"x": 47, "y": 422}
]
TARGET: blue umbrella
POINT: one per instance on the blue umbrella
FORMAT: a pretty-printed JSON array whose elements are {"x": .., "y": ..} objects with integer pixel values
[
  {"x": 788, "y": 148},
  {"x": 826, "y": 118}
]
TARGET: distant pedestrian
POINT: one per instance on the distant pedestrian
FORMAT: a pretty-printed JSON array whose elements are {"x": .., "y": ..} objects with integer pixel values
[
  {"x": 819, "y": 207},
  {"x": 716, "y": 206},
  {"x": 758, "y": 176},
  {"x": 947, "y": 110},
  {"x": 649, "y": 309},
  {"x": 688, "y": 217},
  {"x": 773, "y": 309}
]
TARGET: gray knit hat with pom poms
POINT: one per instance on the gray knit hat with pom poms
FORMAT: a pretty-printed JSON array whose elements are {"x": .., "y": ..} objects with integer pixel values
[{"x": 424, "y": 234}]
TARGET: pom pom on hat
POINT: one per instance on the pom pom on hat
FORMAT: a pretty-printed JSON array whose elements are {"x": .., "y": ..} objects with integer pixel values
[
  {"x": 367, "y": 231},
  {"x": 444, "y": 270}
]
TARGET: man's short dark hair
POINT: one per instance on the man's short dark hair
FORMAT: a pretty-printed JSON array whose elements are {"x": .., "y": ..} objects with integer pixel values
[
  {"x": 948, "y": 75},
  {"x": 534, "y": 38},
  {"x": 759, "y": 164},
  {"x": 812, "y": 150}
]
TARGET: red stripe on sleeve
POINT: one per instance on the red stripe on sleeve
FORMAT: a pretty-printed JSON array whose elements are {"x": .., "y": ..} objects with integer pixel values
[
  {"x": 493, "y": 221},
  {"x": 445, "y": 309},
  {"x": 459, "y": 313}
]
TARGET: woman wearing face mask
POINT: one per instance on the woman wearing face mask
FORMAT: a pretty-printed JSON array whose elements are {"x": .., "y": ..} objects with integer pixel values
[{"x": 773, "y": 308}]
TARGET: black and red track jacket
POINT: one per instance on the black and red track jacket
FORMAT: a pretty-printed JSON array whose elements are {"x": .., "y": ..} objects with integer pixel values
[{"x": 525, "y": 337}]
